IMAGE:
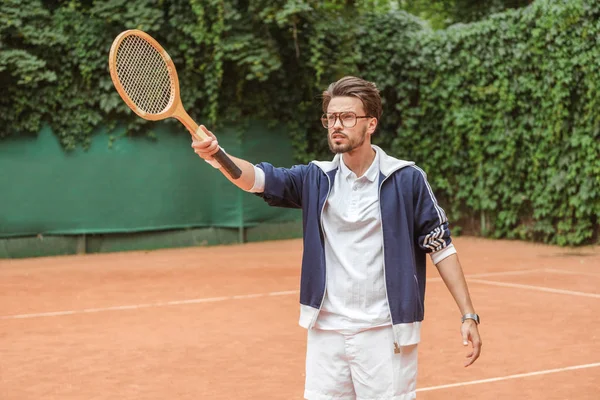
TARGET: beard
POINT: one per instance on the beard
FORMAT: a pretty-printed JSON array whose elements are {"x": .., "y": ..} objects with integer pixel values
[{"x": 351, "y": 143}]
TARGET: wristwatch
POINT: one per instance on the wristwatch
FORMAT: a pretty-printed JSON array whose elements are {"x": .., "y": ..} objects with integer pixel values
[{"x": 474, "y": 317}]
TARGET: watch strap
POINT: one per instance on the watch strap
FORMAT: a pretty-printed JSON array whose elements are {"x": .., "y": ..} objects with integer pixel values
[{"x": 474, "y": 317}]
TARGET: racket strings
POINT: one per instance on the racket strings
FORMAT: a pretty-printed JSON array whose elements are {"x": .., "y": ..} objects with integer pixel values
[{"x": 144, "y": 75}]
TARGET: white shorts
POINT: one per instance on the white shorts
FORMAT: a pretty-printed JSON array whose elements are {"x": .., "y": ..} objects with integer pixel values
[{"x": 359, "y": 366}]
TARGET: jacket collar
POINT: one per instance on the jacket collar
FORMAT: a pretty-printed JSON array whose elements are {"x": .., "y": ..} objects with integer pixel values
[{"x": 387, "y": 164}]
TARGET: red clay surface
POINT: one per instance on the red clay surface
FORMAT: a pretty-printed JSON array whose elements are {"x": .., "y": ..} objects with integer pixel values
[{"x": 167, "y": 325}]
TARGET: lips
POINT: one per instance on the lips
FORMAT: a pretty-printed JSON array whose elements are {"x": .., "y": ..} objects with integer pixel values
[{"x": 338, "y": 136}]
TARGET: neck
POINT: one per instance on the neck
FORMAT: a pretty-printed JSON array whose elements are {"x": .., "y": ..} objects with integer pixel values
[{"x": 360, "y": 159}]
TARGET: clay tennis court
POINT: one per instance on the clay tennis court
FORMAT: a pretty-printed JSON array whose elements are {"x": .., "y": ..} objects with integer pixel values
[{"x": 221, "y": 323}]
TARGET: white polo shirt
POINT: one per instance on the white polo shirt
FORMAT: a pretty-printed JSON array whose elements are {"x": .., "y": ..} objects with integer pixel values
[{"x": 355, "y": 296}]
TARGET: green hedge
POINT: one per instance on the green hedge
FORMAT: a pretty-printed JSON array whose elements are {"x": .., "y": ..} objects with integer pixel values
[
  {"x": 506, "y": 120},
  {"x": 502, "y": 114}
]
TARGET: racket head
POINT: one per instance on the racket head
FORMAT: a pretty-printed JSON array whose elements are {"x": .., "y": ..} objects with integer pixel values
[{"x": 144, "y": 75}]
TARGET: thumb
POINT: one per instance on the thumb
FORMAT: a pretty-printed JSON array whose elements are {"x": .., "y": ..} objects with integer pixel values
[
  {"x": 465, "y": 337},
  {"x": 202, "y": 130}
]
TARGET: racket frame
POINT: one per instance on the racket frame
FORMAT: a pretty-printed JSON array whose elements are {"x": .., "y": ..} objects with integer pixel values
[
  {"x": 175, "y": 108},
  {"x": 175, "y": 101}
]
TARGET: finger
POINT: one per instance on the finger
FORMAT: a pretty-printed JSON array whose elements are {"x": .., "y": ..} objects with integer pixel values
[
  {"x": 206, "y": 152},
  {"x": 213, "y": 147},
  {"x": 470, "y": 360},
  {"x": 204, "y": 144},
  {"x": 465, "y": 337},
  {"x": 476, "y": 349},
  {"x": 203, "y": 153},
  {"x": 474, "y": 355},
  {"x": 207, "y": 132}
]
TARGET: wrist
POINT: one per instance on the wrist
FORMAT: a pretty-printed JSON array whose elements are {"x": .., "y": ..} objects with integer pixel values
[
  {"x": 470, "y": 317},
  {"x": 215, "y": 163}
]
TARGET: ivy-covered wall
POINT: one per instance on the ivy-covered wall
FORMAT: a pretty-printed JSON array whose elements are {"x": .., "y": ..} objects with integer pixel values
[
  {"x": 506, "y": 120},
  {"x": 503, "y": 114}
]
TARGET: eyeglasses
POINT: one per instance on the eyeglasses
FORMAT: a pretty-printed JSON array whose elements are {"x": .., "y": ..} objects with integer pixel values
[{"x": 347, "y": 119}]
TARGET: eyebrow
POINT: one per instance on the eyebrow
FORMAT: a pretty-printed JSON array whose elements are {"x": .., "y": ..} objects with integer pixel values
[{"x": 341, "y": 111}]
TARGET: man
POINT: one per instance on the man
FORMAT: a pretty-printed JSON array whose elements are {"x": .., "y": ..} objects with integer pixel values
[{"x": 369, "y": 221}]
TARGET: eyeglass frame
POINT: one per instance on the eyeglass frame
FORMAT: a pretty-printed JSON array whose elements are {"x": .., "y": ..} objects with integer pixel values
[{"x": 338, "y": 116}]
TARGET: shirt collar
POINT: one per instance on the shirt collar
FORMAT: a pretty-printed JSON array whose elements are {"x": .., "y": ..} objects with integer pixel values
[{"x": 371, "y": 173}]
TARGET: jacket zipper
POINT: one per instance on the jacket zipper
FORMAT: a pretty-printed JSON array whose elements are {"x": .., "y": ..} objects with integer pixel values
[
  {"x": 396, "y": 345},
  {"x": 324, "y": 263},
  {"x": 383, "y": 255}
]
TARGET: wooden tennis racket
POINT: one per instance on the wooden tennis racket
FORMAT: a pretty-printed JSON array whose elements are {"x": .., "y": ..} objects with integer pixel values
[{"x": 146, "y": 79}]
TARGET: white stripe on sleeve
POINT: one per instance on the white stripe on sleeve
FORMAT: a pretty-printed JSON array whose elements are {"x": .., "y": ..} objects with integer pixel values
[{"x": 440, "y": 212}]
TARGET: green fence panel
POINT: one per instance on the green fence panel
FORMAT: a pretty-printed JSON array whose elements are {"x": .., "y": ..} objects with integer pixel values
[{"x": 133, "y": 185}]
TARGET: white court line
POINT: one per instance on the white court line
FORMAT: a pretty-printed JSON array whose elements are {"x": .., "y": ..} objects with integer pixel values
[
  {"x": 206, "y": 300},
  {"x": 505, "y": 273},
  {"x": 486, "y": 274},
  {"x": 564, "y": 271},
  {"x": 256, "y": 295},
  {"x": 149, "y": 305},
  {"x": 538, "y": 288},
  {"x": 504, "y": 378}
]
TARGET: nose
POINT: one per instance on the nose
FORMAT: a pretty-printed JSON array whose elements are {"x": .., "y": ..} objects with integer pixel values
[{"x": 338, "y": 123}]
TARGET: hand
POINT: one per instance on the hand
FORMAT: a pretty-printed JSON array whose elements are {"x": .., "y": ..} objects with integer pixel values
[
  {"x": 207, "y": 147},
  {"x": 470, "y": 333}
]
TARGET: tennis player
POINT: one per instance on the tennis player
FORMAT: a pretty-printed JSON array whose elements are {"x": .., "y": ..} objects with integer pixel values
[{"x": 369, "y": 221}]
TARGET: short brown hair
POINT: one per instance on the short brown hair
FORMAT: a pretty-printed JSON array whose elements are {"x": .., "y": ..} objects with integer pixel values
[{"x": 352, "y": 86}]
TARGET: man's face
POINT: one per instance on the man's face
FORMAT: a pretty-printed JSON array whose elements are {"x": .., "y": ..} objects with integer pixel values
[{"x": 343, "y": 139}]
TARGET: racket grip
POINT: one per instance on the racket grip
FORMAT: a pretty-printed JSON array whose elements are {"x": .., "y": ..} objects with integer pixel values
[{"x": 227, "y": 164}]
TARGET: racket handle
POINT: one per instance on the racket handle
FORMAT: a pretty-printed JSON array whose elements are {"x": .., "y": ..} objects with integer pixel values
[{"x": 232, "y": 169}]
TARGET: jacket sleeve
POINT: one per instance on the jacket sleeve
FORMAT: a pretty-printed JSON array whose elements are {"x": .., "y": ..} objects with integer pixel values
[
  {"x": 283, "y": 186},
  {"x": 431, "y": 223}
]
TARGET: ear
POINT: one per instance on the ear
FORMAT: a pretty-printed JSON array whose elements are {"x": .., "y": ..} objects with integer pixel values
[{"x": 372, "y": 126}]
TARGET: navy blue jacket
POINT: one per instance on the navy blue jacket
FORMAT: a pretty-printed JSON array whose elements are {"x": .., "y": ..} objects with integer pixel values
[{"x": 412, "y": 223}]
